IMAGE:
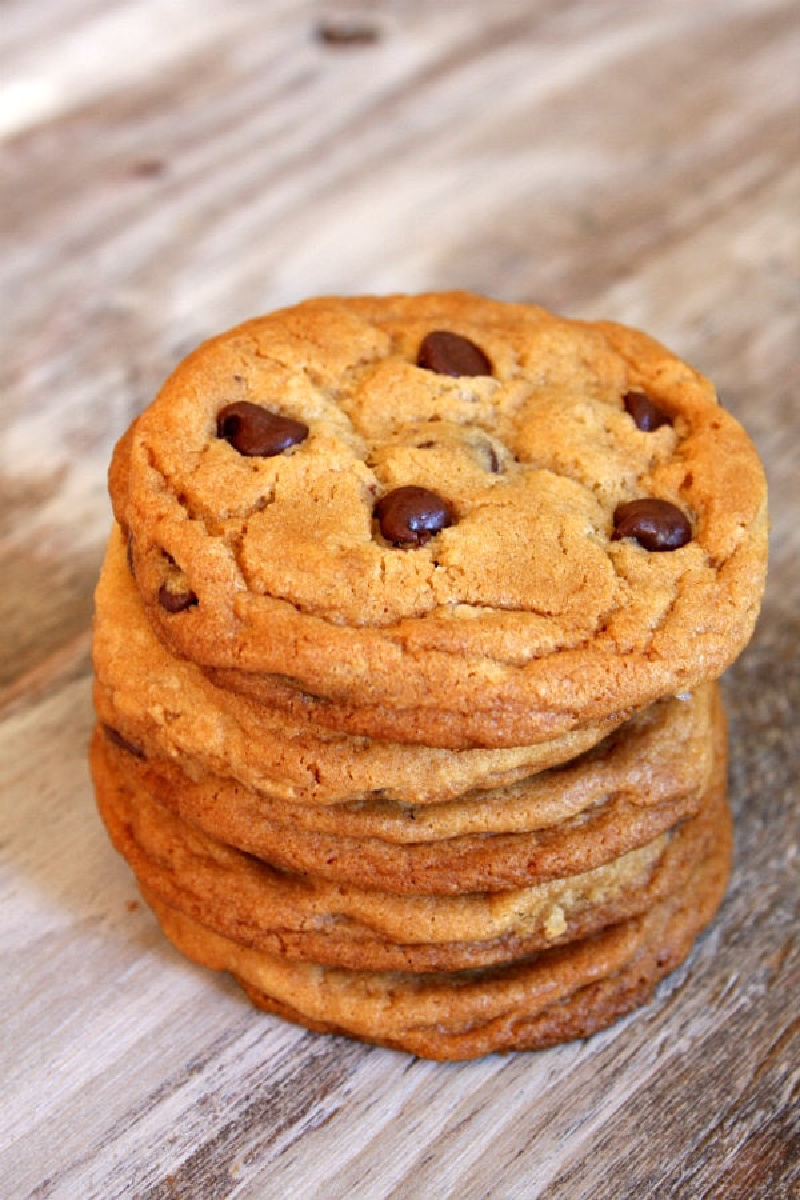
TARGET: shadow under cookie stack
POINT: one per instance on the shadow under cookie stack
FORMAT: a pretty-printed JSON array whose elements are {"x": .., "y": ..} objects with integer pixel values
[{"x": 405, "y": 653}]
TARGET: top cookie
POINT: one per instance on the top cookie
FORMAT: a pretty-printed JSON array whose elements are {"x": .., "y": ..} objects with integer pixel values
[{"x": 446, "y": 503}]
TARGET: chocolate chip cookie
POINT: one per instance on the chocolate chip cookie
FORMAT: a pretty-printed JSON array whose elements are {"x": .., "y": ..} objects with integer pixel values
[
  {"x": 405, "y": 653},
  {"x": 409, "y": 516}
]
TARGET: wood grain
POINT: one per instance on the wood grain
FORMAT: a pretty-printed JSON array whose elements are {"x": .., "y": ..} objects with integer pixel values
[{"x": 170, "y": 168}]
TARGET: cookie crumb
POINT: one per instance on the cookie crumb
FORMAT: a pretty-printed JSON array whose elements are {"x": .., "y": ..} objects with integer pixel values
[{"x": 555, "y": 924}]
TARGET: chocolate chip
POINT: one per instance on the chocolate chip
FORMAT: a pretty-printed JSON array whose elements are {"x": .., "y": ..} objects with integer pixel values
[
  {"x": 175, "y": 602},
  {"x": 410, "y": 516},
  {"x": 451, "y": 354},
  {"x": 656, "y": 524},
  {"x": 115, "y": 737},
  {"x": 647, "y": 416},
  {"x": 256, "y": 432}
]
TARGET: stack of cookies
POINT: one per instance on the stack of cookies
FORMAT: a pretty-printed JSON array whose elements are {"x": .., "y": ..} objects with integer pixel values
[{"x": 405, "y": 653}]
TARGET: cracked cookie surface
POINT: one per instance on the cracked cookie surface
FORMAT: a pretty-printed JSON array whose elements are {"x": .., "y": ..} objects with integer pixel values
[
  {"x": 522, "y": 603},
  {"x": 166, "y": 709}
]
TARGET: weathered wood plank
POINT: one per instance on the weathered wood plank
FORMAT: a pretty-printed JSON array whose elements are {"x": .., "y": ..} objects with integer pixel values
[{"x": 172, "y": 168}]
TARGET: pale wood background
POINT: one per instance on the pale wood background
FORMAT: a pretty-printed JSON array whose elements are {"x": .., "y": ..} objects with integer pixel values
[{"x": 172, "y": 166}]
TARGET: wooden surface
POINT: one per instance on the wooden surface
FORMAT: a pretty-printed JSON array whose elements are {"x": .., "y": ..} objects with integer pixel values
[{"x": 172, "y": 167}]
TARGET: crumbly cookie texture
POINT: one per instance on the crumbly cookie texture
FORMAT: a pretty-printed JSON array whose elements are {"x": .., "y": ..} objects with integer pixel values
[{"x": 524, "y": 586}]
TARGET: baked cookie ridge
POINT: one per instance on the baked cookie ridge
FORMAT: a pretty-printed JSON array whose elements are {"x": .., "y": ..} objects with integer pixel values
[{"x": 569, "y": 991}]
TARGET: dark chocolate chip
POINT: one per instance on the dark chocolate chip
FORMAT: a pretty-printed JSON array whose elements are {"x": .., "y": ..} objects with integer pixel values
[
  {"x": 451, "y": 354},
  {"x": 646, "y": 415},
  {"x": 115, "y": 737},
  {"x": 256, "y": 432},
  {"x": 175, "y": 602},
  {"x": 656, "y": 524},
  {"x": 410, "y": 516}
]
